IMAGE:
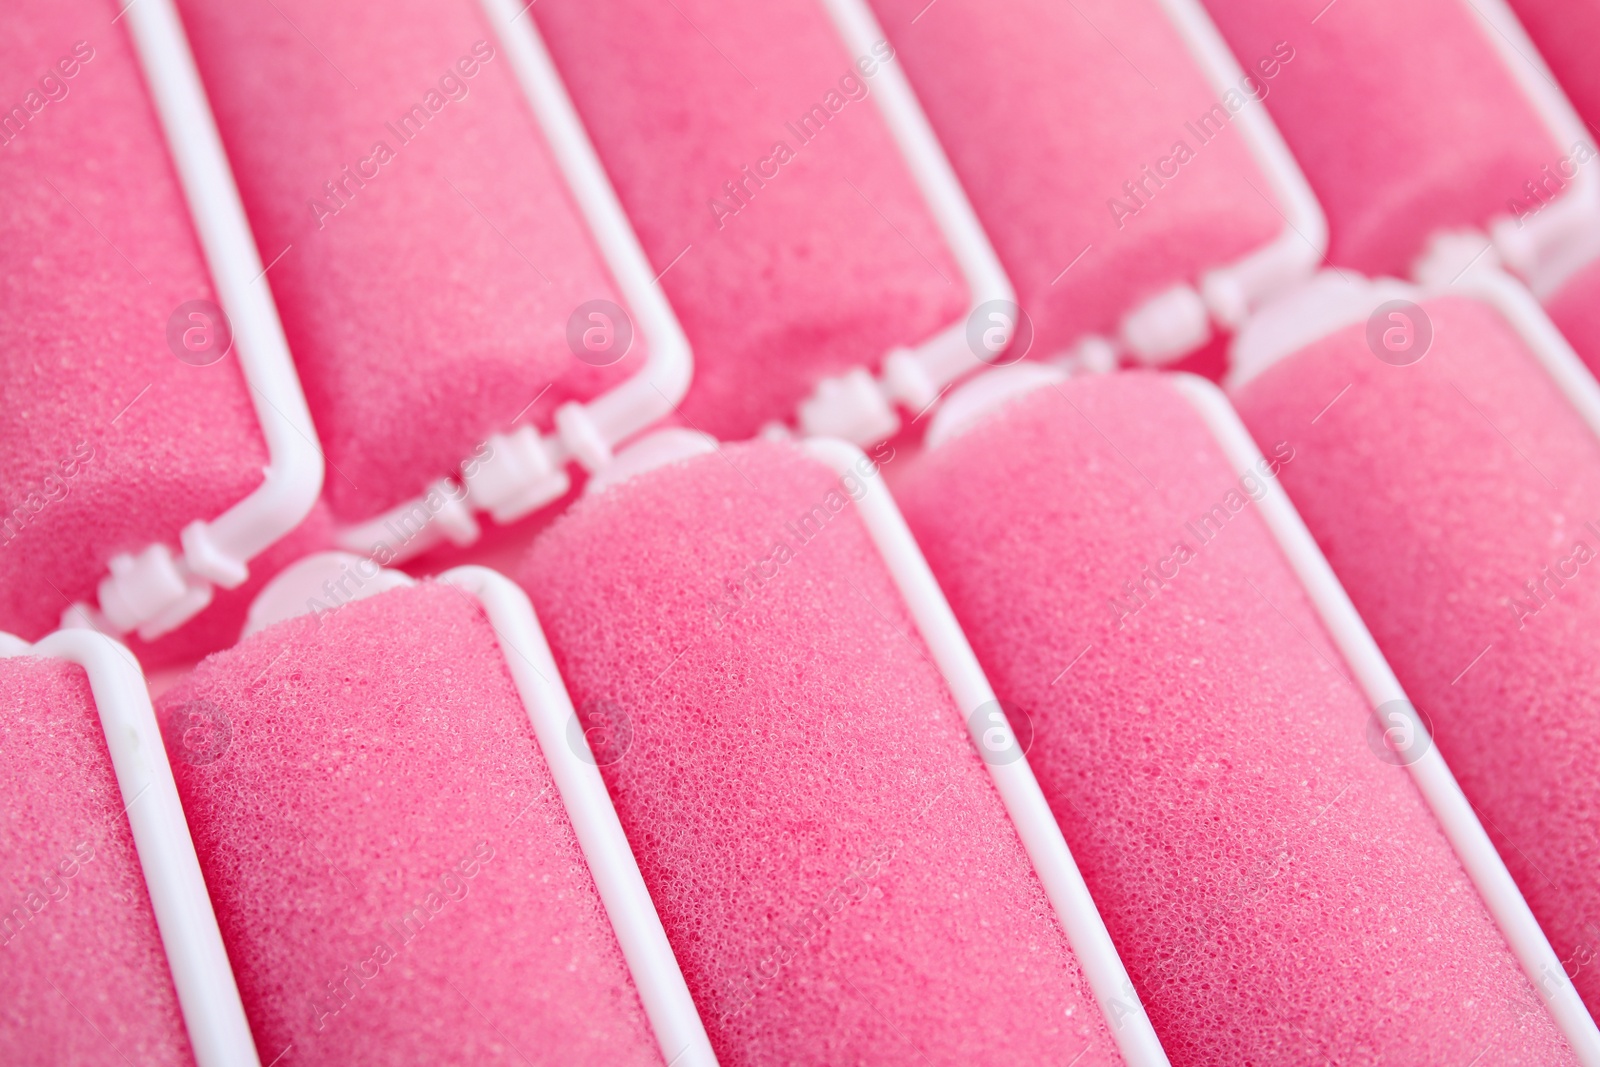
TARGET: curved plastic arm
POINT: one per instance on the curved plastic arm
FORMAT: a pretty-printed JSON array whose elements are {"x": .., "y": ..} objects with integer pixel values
[
  {"x": 220, "y": 550},
  {"x": 207, "y": 994},
  {"x": 1232, "y": 291},
  {"x": 1019, "y": 790},
  {"x": 1378, "y": 682}
]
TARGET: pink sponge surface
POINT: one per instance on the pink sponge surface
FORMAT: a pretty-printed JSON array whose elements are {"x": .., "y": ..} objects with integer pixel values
[
  {"x": 392, "y": 868},
  {"x": 85, "y": 979},
  {"x": 1279, "y": 893},
  {"x": 431, "y": 308},
  {"x": 1046, "y": 110},
  {"x": 1564, "y": 32},
  {"x": 1403, "y": 117},
  {"x": 1453, "y": 498},
  {"x": 834, "y": 868},
  {"x": 109, "y": 442},
  {"x": 831, "y": 258},
  {"x": 1575, "y": 309}
]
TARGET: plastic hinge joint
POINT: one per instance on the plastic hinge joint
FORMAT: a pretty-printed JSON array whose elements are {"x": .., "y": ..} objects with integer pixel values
[
  {"x": 583, "y": 439},
  {"x": 1167, "y": 326},
  {"x": 151, "y": 592},
  {"x": 850, "y": 406},
  {"x": 518, "y": 476}
]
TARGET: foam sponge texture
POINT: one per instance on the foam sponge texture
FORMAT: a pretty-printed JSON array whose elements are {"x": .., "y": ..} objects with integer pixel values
[
  {"x": 833, "y": 865},
  {"x": 109, "y": 441},
  {"x": 1575, "y": 309},
  {"x": 1403, "y": 117},
  {"x": 393, "y": 870},
  {"x": 85, "y": 979},
  {"x": 1047, "y": 110},
  {"x": 431, "y": 255},
  {"x": 1459, "y": 501},
  {"x": 745, "y": 142},
  {"x": 1560, "y": 30},
  {"x": 1279, "y": 893}
]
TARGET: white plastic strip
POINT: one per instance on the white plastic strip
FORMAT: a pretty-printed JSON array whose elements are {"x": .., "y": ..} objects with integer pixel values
[
  {"x": 663, "y": 381},
  {"x": 219, "y": 551},
  {"x": 207, "y": 995},
  {"x": 643, "y": 940},
  {"x": 947, "y": 356},
  {"x": 662, "y": 990},
  {"x": 1231, "y": 291},
  {"x": 524, "y": 471},
  {"x": 1536, "y": 248},
  {"x": 1380, "y": 686},
  {"x": 1544, "y": 340},
  {"x": 1019, "y": 790}
]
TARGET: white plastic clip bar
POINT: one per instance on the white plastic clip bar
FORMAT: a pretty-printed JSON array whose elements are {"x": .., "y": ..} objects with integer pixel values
[
  {"x": 527, "y": 471},
  {"x": 642, "y": 400},
  {"x": 155, "y": 591},
  {"x": 662, "y": 990},
  {"x": 643, "y": 940},
  {"x": 1539, "y": 249},
  {"x": 1231, "y": 291},
  {"x": 1041, "y": 836},
  {"x": 1548, "y": 345},
  {"x": 207, "y": 994},
  {"x": 856, "y": 407},
  {"x": 1380, "y": 686}
]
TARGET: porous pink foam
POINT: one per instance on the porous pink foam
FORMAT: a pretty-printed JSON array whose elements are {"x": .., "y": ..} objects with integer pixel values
[
  {"x": 393, "y": 870},
  {"x": 109, "y": 441},
  {"x": 1564, "y": 32},
  {"x": 1403, "y": 117},
  {"x": 1441, "y": 493},
  {"x": 835, "y": 870},
  {"x": 831, "y": 259},
  {"x": 85, "y": 979},
  {"x": 1279, "y": 894},
  {"x": 1575, "y": 309},
  {"x": 1051, "y": 113},
  {"x": 431, "y": 309}
]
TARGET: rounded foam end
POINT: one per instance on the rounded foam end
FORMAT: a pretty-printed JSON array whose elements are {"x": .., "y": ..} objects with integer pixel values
[
  {"x": 654, "y": 450},
  {"x": 983, "y": 396}
]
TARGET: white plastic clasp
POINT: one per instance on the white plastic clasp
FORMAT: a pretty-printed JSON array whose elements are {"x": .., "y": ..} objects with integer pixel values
[
  {"x": 1451, "y": 254},
  {"x": 209, "y": 559},
  {"x": 907, "y": 380},
  {"x": 517, "y": 477},
  {"x": 151, "y": 592},
  {"x": 852, "y": 407},
  {"x": 1169, "y": 325},
  {"x": 583, "y": 439}
]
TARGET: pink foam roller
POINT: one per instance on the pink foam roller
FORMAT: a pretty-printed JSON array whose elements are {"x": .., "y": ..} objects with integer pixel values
[
  {"x": 431, "y": 254},
  {"x": 393, "y": 870},
  {"x": 833, "y": 865},
  {"x": 85, "y": 979},
  {"x": 1086, "y": 137},
  {"x": 110, "y": 441},
  {"x": 1280, "y": 893},
  {"x": 744, "y": 141},
  {"x": 1403, "y": 116},
  {"x": 1458, "y": 498},
  {"x": 1575, "y": 309},
  {"x": 1565, "y": 31}
]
